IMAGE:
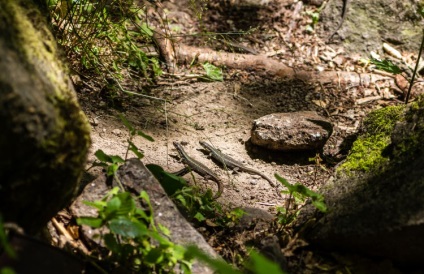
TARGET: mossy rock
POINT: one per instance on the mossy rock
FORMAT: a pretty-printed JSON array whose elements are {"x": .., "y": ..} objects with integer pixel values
[
  {"x": 375, "y": 200},
  {"x": 45, "y": 136}
]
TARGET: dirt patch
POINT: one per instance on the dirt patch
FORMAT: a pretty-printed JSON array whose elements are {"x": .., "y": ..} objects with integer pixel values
[{"x": 219, "y": 114}]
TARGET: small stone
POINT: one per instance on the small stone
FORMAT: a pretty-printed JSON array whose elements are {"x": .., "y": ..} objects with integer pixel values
[
  {"x": 117, "y": 132},
  {"x": 253, "y": 182},
  {"x": 290, "y": 131},
  {"x": 95, "y": 122}
]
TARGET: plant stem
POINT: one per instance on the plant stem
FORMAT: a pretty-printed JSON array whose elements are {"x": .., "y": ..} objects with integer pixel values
[{"x": 415, "y": 71}]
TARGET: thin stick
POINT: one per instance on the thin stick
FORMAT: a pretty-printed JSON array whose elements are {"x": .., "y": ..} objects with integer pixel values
[{"x": 415, "y": 71}]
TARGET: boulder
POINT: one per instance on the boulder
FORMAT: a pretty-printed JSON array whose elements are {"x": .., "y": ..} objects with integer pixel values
[
  {"x": 44, "y": 136},
  {"x": 375, "y": 201},
  {"x": 369, "y": 24},
  {"x": 302, "y": 130}
]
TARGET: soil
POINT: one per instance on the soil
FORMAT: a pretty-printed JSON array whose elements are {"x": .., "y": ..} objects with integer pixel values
[{"x": 222, "y": 112}]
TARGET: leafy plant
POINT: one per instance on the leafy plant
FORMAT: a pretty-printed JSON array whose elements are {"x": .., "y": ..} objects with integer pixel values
[
  {"x": 112, "y": 162},
  {"x": 299, "y": 194},
  {"x": 6, "y": 248},
  {"x": 258, "y": 264},
  {"x": 203, "y": 208},
  {"x": 386, "y": 65},
  {"x": 135, "y": 242},
  {"x": 200, "y": 207},
  {"x": 133, "y": 132},
  {"x": 314, "y": 15},
  {"x": 104, "y": 37},
  {"x": 213, "y": 73}
]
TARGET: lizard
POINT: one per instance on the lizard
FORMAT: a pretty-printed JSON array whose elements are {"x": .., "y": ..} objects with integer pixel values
[
  {"x": 231, "y": 163},
  {"x": 199, "y": 168}
]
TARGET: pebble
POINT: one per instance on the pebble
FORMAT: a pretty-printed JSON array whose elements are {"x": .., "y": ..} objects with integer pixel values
[{"x": 117, "y": 132}]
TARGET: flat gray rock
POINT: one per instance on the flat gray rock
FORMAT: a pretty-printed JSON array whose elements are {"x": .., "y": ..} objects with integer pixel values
[
  {"x": 136, "y": 177},
  {"x": 302, "y": 130}
]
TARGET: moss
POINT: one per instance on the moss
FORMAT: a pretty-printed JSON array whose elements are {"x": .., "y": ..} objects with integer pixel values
[
  {"x": 367, "y": 151},
  {"x": 409, "y": 135},
  {"x": 37, "y": 46}
]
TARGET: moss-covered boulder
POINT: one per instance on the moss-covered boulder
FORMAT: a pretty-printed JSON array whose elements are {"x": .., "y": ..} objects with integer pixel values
[
  {"x": 44, "y": 135},
  {"x": 376, "y": 198}
]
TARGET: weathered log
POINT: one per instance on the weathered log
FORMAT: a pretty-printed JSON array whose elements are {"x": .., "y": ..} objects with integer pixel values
[{"x": 44, "y": 134}]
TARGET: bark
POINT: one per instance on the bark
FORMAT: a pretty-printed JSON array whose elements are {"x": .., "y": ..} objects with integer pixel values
[{"x": 45, "y": 136}]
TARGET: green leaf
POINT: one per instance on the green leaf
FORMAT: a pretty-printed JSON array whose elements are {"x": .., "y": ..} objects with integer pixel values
[
  {"x": 261, "y": 265},
  {"x": 117, "y": 159},
  {"x": 386, "y": 65},
  {"x": 143, "y": 195},
  {"x": 179, "y": 252},
  {"x": 99, "y": 205},
  {"x": 103, "y": 157},
  {"x": 170, "y": 182},
  {"x": 127, "y": 124},
  {"x": 141, "y": 214},
  {"x": 145, "y": 136},
  {"x": 164, "y": 230},
  {"x": 320, "y": 205},
  {"x": 155, "y": 256},
  {"x": 135, "y": 149},
  {"x": 127, "y": 228},
  {"x": 144, "y": 29},
  {"x": 199, "y": 216},
  {"x": 102, "y": 164},
  {"x": 111, "y": 169},
  {"x": 285, "y": 183},
  {"x": 90, "y": 221},
  {"x": 217, "y": 264},
  {"x": 212, "y": 72},
  {"x": 7, "y": 270},
  {"x": 112, "y": 243},
  {"x": 120, "y": 205},
  {"x": 4, "y": 243}
]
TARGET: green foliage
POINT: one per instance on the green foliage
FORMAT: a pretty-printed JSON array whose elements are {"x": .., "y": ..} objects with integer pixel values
[
  {"x": 133, "y": 239},
  {"x": 258, "y": 264},
  {"x": 109, "y": 162},
  {"x": 261, "y": 265},
  {"x": 7, "y": 270},
  {"x": 170, "y": 182},
  {"x": 314, "y": 15},
  {"x": 133, "y": 132},
  {"x": 4, "y": 244},
  {"x": 200, "y": 207},
  {"x": 213, "y": 73},
  {"x": 105, "y": 37},
  {"x": 387, "y": 65},
  {"x": 112, "y": 162},
  {"x": 300, "y": 194},
  {"x": 6, "y": 248},
  {"x": 420, "y": 9}
]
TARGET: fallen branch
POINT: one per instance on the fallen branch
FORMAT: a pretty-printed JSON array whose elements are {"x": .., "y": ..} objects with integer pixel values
[{"x": 263, "y": 65}]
